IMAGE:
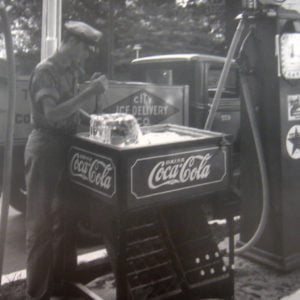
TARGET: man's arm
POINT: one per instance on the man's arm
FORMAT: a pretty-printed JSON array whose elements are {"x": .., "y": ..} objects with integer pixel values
[
  {"x": 85, "y": 117},
  {"x": 54, "y": 112}
]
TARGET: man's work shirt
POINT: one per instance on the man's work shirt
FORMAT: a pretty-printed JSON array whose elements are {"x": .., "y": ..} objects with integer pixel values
[{"x": 53, "y": 79}]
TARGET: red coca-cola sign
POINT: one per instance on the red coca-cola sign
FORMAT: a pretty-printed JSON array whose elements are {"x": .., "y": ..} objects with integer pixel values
[
  {"x": 93, "y": 171},
  {"x": 179, "y": 171}
]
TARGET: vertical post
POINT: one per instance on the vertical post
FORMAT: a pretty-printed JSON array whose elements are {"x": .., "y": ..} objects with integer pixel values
[
  {"x": 110, "y": 44},
  {"x": 230, "y": 224},
  {"x": 51, "y": 27},
  {"x": 9, "y": 133},
  {"x": 137, "y": 49},
  {"x": 122, "y": 289}
]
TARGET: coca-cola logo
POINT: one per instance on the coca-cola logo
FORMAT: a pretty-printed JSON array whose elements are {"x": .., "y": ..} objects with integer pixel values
[
  {"x": 96, "y": 172},
  {"x": 168, "y": 172},
  {"x": 178, "y": 171}
]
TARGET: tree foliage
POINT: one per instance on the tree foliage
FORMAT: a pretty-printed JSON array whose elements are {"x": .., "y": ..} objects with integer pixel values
[
  {"x": 158, "y": 26},
  {"x": 161, "y": 29}
]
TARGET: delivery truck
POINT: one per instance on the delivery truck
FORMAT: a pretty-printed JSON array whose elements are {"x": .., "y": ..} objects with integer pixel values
[{"x": 164, "y": 89}]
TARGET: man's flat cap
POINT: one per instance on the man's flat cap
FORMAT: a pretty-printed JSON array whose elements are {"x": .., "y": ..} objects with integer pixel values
[{"x": 84, "y": 32}]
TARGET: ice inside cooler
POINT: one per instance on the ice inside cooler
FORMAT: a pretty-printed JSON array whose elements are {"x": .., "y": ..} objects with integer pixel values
[{"x": 122, "y": 130}]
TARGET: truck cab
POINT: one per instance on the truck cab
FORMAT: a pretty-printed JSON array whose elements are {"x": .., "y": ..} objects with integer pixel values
[{"x": 201, "y": 73}]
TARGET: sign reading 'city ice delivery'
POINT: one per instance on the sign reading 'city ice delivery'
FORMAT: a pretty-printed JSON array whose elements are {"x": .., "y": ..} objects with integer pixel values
[
  {"x": 147, "y": 107},
  {"x": 93, "y": 171},
  {"x": 174, "y": 172},
  {"x": 150, "y": 104}
]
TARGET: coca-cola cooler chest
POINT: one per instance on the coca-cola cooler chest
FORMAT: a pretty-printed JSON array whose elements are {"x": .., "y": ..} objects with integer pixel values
[
  {"x": 138, "y": 176},
  {"x": 156, "y": 233}
]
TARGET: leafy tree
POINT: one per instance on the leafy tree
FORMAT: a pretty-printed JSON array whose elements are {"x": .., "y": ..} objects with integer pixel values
[
  {"x": 25, "y": 17},
  {"x": 159, "y": 26}
]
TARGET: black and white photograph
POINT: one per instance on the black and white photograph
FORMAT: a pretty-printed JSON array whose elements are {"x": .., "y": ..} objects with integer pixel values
[{"x": 149, "y": 149}]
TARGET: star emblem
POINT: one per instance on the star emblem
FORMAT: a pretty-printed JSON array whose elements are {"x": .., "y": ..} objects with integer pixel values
[{"x": 294, "y": 138}]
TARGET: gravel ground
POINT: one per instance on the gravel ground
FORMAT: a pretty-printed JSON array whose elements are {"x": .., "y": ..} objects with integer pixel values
[
  {"x": 255, "y": 281},
  {"x": 252, "y": 281}
]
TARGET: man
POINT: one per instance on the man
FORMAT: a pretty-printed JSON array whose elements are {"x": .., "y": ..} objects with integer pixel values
[{"x": 55, "y": 105}]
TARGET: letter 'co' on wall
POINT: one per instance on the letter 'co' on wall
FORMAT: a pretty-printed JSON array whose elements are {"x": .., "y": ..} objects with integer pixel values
[{"x": 174, "y": 172}]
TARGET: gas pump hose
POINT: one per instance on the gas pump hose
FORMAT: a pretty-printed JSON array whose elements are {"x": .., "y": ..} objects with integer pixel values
[
  {"x": 253, "y": 124},
  {"x": 262, "y": 169}
]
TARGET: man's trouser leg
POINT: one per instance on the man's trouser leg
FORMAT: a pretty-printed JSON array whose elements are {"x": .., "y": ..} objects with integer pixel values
[
  {"x": 43, "y": 172},
  {"x": 64, "y": 235}
]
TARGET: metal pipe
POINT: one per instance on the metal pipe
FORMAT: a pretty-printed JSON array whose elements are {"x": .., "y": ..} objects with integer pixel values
[
  {"x": 9, "y": 133},
  {"x": 224, "y": 74}
]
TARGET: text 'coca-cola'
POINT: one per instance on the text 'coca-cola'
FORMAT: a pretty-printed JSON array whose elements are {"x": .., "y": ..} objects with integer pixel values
[
  {"x": 93, "y": 171},
  {"x": 173, "y": 172}
]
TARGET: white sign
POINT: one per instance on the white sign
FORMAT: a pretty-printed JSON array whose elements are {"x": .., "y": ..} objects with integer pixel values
[{"x": 293, "y": 102}]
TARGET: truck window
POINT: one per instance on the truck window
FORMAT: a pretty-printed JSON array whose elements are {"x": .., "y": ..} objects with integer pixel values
[
  {"x": 213, "y": 75},
  {"x": 159, "y": 76},
  {"x": 169, "y": 73}
]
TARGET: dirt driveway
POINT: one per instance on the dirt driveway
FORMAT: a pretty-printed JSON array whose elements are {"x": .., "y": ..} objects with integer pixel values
[
  {"x": 252, "y": 281},
  {"x": 255, "y": 281}
]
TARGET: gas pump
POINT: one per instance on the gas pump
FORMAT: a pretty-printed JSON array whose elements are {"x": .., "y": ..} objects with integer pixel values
[{"x": 270, "y": 76}]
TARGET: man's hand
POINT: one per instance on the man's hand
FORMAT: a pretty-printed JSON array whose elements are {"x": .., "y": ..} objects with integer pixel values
[{"x": 98, "y": 85}]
